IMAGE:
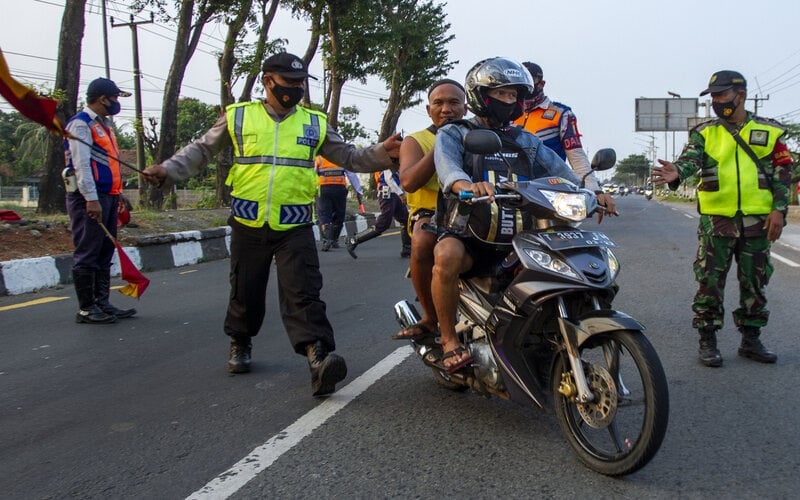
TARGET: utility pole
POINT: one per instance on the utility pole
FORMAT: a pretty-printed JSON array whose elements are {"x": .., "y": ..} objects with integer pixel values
[
  {"x": 756, "y": 99},
  {"x": 105, "y": 39},
  {"x": 137, "y": 92}
]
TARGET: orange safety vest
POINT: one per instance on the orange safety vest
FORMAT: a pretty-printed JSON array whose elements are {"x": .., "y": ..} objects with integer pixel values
[{"x": 329, "y": 173}]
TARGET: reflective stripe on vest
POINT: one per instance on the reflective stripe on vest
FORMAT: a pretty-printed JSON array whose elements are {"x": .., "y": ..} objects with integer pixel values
[
  {"x": 730, "y": 181},
  {"x": 273, "y": 178},
  {"x": 426, "y": 196},
  {"x": 329, "y": 173},
  {"x": 104, "y": 156}
]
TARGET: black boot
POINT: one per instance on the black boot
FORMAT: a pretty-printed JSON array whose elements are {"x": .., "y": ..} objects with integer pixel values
[
  {"x": 752, "y": 347},
  {"x": 337, "y": 231},
  {"x": 241, "y": 349},
  {"x": 102, "y": 290},
  {"x": 353, "y": 241},
  {"x": 324, "y": 233},
  {"x": 327, "y": 369},
  {"x": 709, "y": 354},
  {"x": 89, "y": 311},
  {"x": 406, "y": 239}
]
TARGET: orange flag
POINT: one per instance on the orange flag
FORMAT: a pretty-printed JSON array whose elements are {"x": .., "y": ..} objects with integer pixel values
[
  {"x": 42, "y": 110},
  {"x": 137, "y": 282}
]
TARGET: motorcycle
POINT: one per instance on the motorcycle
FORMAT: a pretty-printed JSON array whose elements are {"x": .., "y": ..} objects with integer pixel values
[
  {"x": 648, "y": 192},
  {"x": 542, "y": 330}
]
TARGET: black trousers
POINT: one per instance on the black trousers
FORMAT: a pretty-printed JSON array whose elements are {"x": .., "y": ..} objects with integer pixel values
[{"x": 299, "y": 284}]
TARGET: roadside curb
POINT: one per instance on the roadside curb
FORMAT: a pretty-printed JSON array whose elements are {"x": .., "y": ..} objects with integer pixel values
[{"x": 149, "y": 253}]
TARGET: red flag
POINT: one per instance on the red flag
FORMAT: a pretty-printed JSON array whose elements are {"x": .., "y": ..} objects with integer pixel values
[
  {"x": 42, "y": 110},
  {"x": 137, "y": 282}
]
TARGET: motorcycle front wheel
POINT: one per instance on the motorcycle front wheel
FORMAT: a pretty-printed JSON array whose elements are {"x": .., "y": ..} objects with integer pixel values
[{"x": 622, "y": 429}]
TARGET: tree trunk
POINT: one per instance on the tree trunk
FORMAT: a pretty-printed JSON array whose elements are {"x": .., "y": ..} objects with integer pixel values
[
  {"x": 261, "y": 48},
  {"x": 51, "y": 186}
]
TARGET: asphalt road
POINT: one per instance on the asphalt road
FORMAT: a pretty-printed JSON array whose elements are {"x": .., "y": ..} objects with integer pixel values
[{"x": 145, "y": 409}]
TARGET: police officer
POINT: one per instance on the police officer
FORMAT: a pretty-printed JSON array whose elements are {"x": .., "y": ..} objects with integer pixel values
[
  {"x": 557, "y": 126},
  {"x": 743, "y": 193},
  {"x": 332, "y": 202},
  {"x": 273, "y": 183},
  {"x": 92, "y": 161},
  {"x": 392, "y": 201}
]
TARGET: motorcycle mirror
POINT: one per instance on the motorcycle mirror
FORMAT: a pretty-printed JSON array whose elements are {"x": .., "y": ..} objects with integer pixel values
[
  {"x": 604, "y": 159},
  {"x": 482, "y": 142}
]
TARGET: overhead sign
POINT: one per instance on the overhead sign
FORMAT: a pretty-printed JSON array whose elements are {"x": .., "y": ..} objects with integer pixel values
[{"x": 665, "y": 115}]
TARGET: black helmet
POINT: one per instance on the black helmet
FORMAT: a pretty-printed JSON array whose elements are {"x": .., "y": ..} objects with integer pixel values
[{"x": 491, "y": 74}]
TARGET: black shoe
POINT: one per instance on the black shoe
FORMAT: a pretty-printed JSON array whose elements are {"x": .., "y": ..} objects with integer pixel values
[
  {"x": 239, "y": 361},
  {"x": 709, "y": 354},
  {"x": 327, "y": 369},
  {"x": 94, "y": 315},
  {"x": 752, "y": 348}
]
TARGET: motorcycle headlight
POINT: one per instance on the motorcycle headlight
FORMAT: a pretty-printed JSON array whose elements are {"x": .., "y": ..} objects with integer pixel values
[
  {"x": 551, "y": 263},
  {"x": 613, "y": 264},
  {"x": 570, "y": 206}
]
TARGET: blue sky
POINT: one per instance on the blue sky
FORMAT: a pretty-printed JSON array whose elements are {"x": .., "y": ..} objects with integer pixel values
[{"x": 597, "y": 56}]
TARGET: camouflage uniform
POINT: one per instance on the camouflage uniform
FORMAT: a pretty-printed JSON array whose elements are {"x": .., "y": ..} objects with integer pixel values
[{"x": 742, "y": 236}]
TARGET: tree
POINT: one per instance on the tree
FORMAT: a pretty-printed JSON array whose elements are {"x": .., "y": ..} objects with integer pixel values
[
  {"x": 633, "y": 170},
  {"x": 51, "y": 187},
  {"x": 191, "y": 18},
  {"x": 349, "y": 127},
  {"x": 411, "y": 54}
]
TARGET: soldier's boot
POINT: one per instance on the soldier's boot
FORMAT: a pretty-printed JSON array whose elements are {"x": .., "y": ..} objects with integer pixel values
[
  {"x": 240, "y": 354},
  {"x": 405, "y": 238},
  {"x": 337, "y": 231},
  {"x": 102, "y": 290},
  {"x": 89, "y": 312},
  {"x": 709, "y": 354},
  {"x": 327, "y": 369},
  {"x": 353, "y": 241},
  {"x": 752, "y": 347},
  {"x": 324, "y": 233}
]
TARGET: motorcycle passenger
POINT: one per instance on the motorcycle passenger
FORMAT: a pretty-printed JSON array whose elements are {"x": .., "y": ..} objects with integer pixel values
[
  {"x": 557, "y": 126},
  {"x": 473, "y": 237},
  {"x": 446, "y": 101}
]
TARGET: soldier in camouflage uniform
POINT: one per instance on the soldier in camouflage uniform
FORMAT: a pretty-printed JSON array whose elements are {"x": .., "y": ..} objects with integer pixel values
[{"x": 742, "y": 199}]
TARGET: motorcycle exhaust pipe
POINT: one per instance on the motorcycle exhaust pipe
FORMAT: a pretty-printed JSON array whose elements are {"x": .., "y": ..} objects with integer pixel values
[{"x": 406, "y": 314}]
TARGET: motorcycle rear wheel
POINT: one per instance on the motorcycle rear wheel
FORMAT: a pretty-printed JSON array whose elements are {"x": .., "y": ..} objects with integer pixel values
[{"x": 622, "y": 429}]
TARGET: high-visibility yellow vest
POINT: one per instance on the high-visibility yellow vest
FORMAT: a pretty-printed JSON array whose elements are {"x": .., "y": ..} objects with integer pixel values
[
  {"x": 424, "y": 197},
  {"x": 273, "y": 178},
  {"x": 730, "y": 181}
]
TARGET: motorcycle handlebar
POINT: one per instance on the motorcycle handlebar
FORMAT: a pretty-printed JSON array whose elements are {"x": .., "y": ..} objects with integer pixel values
[{"x": 469, "y": 197}]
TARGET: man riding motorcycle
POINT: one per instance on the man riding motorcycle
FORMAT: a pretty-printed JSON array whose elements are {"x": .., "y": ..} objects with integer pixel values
[{"x": 470, "y": 234}]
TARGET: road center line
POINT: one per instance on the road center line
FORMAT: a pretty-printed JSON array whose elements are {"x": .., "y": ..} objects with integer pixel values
[
  {"x": 786, "y": 261},
  {"x": 258, "y": 460}
]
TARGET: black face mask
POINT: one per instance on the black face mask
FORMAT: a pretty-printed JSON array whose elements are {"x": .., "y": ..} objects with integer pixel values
[
  {"x": 113, "y": 107},
  {"x": 502, "y": 112},
  {"x": 287, "y": 96},
  {"x": 724, "y": 110}
]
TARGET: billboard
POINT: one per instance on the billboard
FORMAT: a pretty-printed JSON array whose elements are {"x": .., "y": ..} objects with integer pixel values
[{"x": 665, "y": 115}]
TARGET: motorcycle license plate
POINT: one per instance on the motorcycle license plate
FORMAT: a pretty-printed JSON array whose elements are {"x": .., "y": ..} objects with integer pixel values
[{"x": 560, "y": 240}]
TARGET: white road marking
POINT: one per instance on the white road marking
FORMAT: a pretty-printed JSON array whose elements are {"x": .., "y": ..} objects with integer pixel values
[
  {"x": 786, "y": 261},
  {"x": 258, "y": 460}
]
